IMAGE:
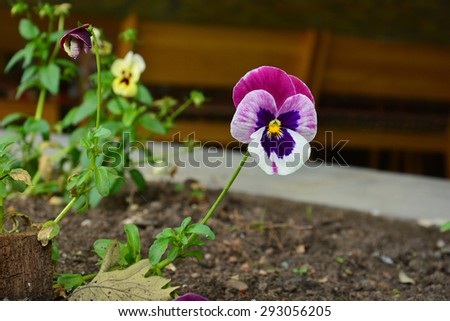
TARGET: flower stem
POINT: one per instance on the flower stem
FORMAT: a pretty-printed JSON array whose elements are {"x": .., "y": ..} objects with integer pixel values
[
  {"x": 66, "y": 209},
  {"x": 99, "y": 79},
  {"x": 211, "y": 211},
  {"x": 1, "y": 215},
  {"x": 225, "y": 190},
  {"x": 40, "y": 104},
  {"x": 180, "y": 109}
]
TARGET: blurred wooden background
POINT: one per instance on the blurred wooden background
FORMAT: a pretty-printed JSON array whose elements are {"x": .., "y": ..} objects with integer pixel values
[{"x": 379, "y": 70}]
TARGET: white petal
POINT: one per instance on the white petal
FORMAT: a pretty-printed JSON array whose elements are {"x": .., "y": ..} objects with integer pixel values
[{"x": 275, "y": 165}]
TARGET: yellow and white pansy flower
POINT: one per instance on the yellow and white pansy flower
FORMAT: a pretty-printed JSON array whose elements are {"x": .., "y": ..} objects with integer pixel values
[{"x": 127, "y": 72}]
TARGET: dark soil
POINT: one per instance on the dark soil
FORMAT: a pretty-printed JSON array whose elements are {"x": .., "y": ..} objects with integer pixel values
[{"x": 267, "y": 248}]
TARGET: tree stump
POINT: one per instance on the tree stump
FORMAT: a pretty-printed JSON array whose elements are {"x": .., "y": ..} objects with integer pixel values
[{"x": 26, "y": 271}]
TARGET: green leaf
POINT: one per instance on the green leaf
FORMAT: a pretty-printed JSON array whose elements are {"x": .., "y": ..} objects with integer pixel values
[
  {"x": 117, "y": 105},
  {"x": 29, "y": 51},
  {"x": 3, "y": 190},
  {"x": 149, "y": 122},
  {"x": 143, "y": 95},
  {"x": 94, "y": 198},
  {"x": 138, "y": 179},
  {"x": 202, "y": 230},
  {"x": 102, "y": 132},
  {"x": 49, "y": 77},
  {"x": 197, "y": 98},
  {"x": 87, "y": 107},
  {"x": 70, "y": 281},
  {"x": 129, "y": 116},
  {"x": 29, "y": 74},
  {"x": 194, "y": 253},
  {"x": 445, "y": 227},
  {"x": 100, "y": 247},
  {"x": 173, "y": 254},
  {"x": 102, "y": 180},
  {"x": 11, "y": 118},
  {"x": 157, "y": 249},
  {"x": 19, "y": 55},
  {"x": 166, "y": 233},
  {"x": 133, "y": 241},
  {"x": 36, "y": 126},
  {"x": 183, "y": 225},
  {"x": 125, "y": 285},
  {"x": 28, "y": 29}
]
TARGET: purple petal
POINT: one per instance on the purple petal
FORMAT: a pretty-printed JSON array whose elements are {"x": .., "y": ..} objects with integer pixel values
[
  {"x": 295, "y": 152},
  {"x": 191, "y": 297},
  {"x": 307, "y": 124},
  {"x": 301, "y": 88},
  {"x": 73, "y": 41},
  {"x": 290, "y": 119},
  {"x": 282, "y": 146},
  {"x": 245, "y": 120},
  {"x": 271, "y": 79}
]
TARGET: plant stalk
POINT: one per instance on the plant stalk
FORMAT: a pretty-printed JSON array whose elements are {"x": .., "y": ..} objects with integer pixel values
[
  {"x": 99, "y": 79},
  {"x": 211, "y": 211},
  {"x": 40, "y": 104},
  {"x": 66, "y": 209}
]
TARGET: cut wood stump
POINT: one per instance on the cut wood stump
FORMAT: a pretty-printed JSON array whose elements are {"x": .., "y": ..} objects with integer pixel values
[{"x": 25, "y": 267}]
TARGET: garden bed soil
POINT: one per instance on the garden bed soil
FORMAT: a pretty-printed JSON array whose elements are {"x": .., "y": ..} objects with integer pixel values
[{"x": 267, "y": 248}]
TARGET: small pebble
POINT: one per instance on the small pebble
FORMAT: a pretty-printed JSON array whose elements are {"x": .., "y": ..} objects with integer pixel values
[
  {"x": 284, "y": 265},
  {"x": 236, "y": 284},
  {"x": 86, "y": 222},
  {"x": 386, "y": 259}
]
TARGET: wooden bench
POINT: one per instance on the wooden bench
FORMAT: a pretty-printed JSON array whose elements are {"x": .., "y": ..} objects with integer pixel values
[
  {"x": 369, "y": 70},
  {"x": 189, "y": 56},
  {"x": 415, "y": 76}
]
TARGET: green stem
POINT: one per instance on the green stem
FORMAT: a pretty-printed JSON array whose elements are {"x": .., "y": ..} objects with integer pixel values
[
  {"x": 99, "y": 79},
  {"x": 182, "y": 108},
  {"x": 225, "y": 190},
  {"x": 40, "y": 104},
  {"x": 1, "y": 215},
  {"x": 211, "y": 211},
  {"x": 55, "y": 51},
  {"x": 89, "y": 277},
  {"x": 65, "y": 210}
]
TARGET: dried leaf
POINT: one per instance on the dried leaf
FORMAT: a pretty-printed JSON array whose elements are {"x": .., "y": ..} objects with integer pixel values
[
  {"x": 47, "y": 232},
  {"x": 405, "y": 279},
  {"x": 19, "y": 174},
  {"x": 46, "y": 168},
  {"x": 125, "y": 285}
]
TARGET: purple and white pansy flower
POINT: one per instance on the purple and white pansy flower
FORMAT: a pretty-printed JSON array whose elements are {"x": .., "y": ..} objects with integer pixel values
[
  {"x": 275, "y": 115},
  {"x": 76, "y": 40}
]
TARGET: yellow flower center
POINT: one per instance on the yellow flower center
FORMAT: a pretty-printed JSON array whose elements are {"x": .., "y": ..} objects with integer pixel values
[{"x": 274, "y": 129}]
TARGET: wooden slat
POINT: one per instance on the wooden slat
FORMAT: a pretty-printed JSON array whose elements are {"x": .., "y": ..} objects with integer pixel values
[
  {"x": 386, "y": 69},
  {"x": 206, "y": 56}
]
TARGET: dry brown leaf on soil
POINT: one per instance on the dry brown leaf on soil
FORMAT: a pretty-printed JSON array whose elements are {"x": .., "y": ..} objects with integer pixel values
[{"x": 125, "y": 285}]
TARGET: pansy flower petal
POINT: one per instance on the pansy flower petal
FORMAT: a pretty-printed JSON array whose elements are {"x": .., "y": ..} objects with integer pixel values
[
  {"x": 307, "y": 124},
  {"x": 301, "y": 88},
  {"x": 274, "y": 163},
  {"x": 271, "y": 79},
  {"x": 75, "y": 40},
  {"x": 251, "y": 114}
]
